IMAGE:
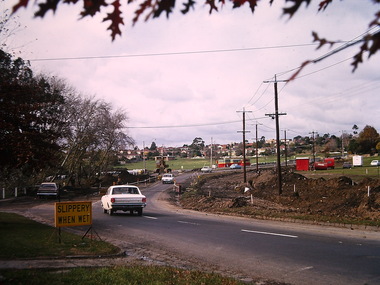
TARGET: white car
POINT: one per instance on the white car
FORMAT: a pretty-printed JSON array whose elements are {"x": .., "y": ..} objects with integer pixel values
[
  {"x": 167, "y": 178},
  {"x": 235, "y": 166},
  {"x": 48, "y": 189},
  {"x": 206, "y": 169},
  {"x": 375, "y": 163},
  {"x": 123, "y": 198}
]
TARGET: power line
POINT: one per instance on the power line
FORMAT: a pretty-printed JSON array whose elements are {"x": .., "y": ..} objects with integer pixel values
[
  {"x": 191, "y": 125},
  {"x": 345, "y": 45},
  {"x": 169, "y": 53}
]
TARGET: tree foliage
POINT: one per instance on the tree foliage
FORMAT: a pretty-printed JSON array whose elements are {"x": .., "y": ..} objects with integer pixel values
[
  {"x": 365, "y": 143},
  {"x": 8, "y": 28},
  {"x": 98, "y": 137},
  {"x": 197, "y": 146},
  {"x": 148, "y": 9},
  {"x": 153, "y": 146},
  {"x": 92, "y": 135},
  {"x": 48, "y": 128},
  {"x": 367, "y": 140},
  {"x": 28, "y": 125}
]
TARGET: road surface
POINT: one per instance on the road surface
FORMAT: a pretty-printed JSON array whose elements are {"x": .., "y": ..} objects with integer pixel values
[{"x": 240, "y": 247}]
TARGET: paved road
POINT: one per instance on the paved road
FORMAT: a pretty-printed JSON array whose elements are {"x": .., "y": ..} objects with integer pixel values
[{"x": 297, "y": 254}]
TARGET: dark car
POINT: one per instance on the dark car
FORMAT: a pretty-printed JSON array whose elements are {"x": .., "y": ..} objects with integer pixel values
[{"x": 347, "y": 165}]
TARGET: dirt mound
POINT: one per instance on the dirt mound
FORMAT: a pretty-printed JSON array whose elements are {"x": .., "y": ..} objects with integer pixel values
[{"x": 338, "y": 199}]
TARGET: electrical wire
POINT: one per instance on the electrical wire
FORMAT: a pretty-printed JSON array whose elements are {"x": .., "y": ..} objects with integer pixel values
[
  {"x": 168, "y": 53},
  {"x": 187, "y": 126}
]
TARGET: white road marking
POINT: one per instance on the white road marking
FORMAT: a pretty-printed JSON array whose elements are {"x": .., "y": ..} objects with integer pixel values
[
  {"x": 268, "y": 233},
  {"x": 299, "y": 270},
  {"x": 190, "y": 223},
  {"x": 149, "y": 217},
  {"x": 306, "y": 268}
]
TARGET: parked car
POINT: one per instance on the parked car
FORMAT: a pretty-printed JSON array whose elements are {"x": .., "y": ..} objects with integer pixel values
[
  {"x": 123, "y": 198},
  {"x": 235, "y": 166},
  {"x": 375, "y": 163},
  {"x": 167, "y": 178},
  {"x": 347, "y": 165},
  {"x": 206, "y": 169},
  {"x": 48, "y": 189}
]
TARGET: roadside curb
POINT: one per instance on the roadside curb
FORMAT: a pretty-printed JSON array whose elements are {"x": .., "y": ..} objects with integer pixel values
[{"x": 67, "y": 261}]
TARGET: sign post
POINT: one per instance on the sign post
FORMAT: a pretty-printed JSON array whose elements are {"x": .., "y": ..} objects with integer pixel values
[{"x": 71, "y": 214}]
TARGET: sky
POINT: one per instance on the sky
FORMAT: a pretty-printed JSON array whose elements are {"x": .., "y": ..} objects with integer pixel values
[{"x": 192, "y": 75}]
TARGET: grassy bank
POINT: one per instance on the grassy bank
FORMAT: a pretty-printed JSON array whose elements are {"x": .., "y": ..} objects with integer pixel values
[
  {"x": 24, "y": 238},
  {"x": 156, "y": 275}
]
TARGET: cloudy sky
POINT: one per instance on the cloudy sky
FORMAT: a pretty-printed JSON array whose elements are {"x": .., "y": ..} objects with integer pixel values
[{"x": 191, "y": 76}]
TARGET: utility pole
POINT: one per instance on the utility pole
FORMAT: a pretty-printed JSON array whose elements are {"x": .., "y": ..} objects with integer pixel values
[
  {"x": 286, "y": 151},
  {"x": 313, "y": 133},
  {"x": 144, "y": 162},
  {"x": 276, "y": 116},
  {"x": 244, "y": 131},
  {"x": 211, "y": 154},
  {"x": 257, "y": 153},
  {"x": 257, "y": 150},
  {"x": 343, "y": 143}
]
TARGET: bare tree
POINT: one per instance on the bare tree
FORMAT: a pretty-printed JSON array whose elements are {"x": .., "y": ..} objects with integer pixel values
[{"x": 92, "y": 134}]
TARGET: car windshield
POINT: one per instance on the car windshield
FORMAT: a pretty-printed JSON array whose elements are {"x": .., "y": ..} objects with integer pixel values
[
  {"x": 47, "y": 186},
  {"x": 125, "y": 190}
]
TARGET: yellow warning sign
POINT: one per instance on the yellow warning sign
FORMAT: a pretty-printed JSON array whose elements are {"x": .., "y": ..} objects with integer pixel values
[{"x": 71, "y": 214}]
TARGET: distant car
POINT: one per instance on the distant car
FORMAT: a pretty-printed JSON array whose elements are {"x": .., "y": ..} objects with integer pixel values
[
  {"x": 206, "y": 169},
  {"x": 235, "y": 166},
  {"x": 375, "y": 163},
  {"x": 48, "y": 189},
  {"x": 123, "y": 198},
  {"x": 167, "y": 178},
  {"x": 347, "y": 165}
]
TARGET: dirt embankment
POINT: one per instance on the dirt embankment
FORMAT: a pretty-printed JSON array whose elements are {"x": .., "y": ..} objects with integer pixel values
[{"x": 334, "y": 200}]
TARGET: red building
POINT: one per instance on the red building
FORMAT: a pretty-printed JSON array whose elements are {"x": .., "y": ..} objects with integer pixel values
[{"x": 302, "y": 163}]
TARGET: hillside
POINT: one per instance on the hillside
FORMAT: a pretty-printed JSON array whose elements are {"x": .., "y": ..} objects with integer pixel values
[{"x": 334, "y": 200}]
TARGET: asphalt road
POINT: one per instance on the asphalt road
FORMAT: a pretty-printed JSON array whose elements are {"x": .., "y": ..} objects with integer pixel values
[{"x": 286, "y": 252}]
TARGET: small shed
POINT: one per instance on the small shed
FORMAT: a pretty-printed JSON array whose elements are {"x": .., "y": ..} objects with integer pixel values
[
  {"x": 357, "y": 160},
  {"x": 302, "y": 163}
]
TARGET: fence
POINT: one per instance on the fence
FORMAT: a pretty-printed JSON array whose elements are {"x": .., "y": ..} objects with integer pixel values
[{"x": 16, "y": 192}]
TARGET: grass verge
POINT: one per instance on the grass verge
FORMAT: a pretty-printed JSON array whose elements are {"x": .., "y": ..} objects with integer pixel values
[
  {"x": 156, "y": 275},
  {"x": 24, "y": 238}
]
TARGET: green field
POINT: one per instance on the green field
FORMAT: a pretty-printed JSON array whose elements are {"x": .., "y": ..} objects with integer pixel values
[
  {"x": 184, "y": 163},
  {"x": 188, "y": 164}
]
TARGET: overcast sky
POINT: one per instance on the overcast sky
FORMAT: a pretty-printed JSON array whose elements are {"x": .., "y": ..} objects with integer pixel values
[{"x": 191, "y": 76}]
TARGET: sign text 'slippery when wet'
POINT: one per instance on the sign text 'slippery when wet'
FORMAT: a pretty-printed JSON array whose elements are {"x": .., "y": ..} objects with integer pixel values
[{"x": 71, "y": 214}]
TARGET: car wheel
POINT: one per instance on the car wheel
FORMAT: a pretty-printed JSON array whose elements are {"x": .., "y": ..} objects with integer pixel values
[
  {"x": 140, "y": 212},
  {"x": 110, "y": 212}
]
